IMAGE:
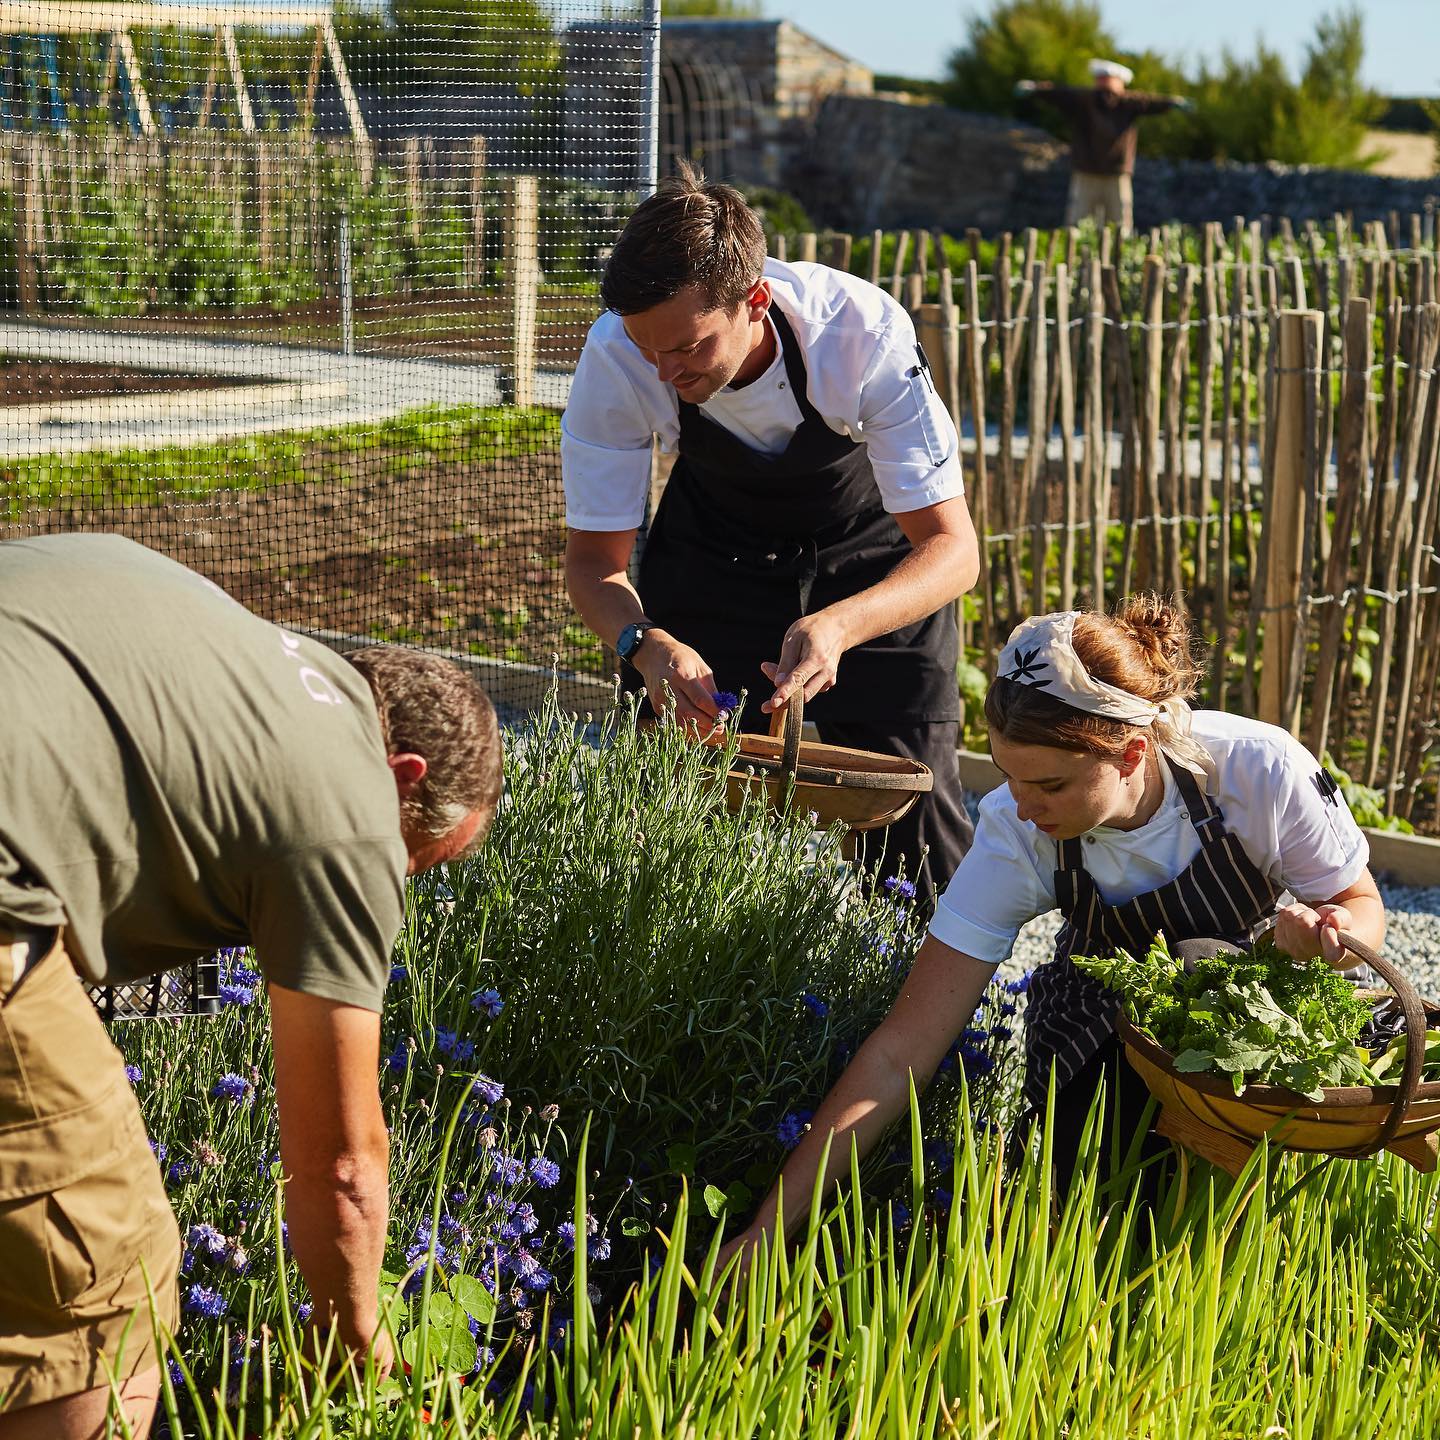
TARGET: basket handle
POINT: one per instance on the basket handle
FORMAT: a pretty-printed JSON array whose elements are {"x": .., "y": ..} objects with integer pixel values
[
  {"x": 1414, "y": 1013},
  {"x": 788, "y": 721}
]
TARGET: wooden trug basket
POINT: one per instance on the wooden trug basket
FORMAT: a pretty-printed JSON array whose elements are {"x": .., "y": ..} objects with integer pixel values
[
  {"x": 1203, "y": 1113},
  {"x": 858, "y": 788}
]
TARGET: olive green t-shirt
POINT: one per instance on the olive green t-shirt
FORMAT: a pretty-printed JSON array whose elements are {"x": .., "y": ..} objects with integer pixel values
[{"x": 177, "y": 775}]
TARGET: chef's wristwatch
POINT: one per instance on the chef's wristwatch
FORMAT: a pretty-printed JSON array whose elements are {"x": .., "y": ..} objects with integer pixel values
[{"x": 630, "y": 638}]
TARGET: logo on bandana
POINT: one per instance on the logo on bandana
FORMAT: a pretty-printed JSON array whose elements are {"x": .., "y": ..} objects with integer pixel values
[{"x": 1027, "y": 669}]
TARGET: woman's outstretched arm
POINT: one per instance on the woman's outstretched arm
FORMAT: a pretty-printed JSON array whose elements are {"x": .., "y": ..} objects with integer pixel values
[{"x": 936, "y": 1001}]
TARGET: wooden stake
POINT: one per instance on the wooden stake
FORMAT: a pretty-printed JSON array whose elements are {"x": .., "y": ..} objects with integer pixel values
[{"x": 522, "y": 282}]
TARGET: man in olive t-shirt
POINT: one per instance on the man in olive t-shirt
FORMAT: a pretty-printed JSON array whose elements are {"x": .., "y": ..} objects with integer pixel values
[{"x": 179, "y": 775}]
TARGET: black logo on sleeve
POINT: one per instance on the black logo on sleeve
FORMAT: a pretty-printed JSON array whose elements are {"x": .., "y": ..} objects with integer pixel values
[{"x": 1324, "y": 782}]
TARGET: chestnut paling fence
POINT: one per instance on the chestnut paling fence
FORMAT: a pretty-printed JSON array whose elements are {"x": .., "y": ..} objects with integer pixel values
[{"x": 1242, "y": 414}]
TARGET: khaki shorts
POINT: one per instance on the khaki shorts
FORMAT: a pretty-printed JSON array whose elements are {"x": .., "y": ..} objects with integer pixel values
[
  {"x": 84, "y": 1218},
  {"x": 1105, "y": 199}
]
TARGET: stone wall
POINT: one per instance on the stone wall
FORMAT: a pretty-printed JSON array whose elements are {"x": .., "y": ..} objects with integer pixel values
[{"x": 876, "y": 163}]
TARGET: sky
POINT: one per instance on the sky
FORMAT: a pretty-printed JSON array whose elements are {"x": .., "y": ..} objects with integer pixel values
[{"x": 1402, "y": 37}]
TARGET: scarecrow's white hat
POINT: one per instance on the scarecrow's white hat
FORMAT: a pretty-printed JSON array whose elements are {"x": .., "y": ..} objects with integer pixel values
[{"x": 1103, "y": 69}]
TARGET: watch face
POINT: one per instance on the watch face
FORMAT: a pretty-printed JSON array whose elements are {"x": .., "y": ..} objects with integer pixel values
[{"x": 629, "y": 639}]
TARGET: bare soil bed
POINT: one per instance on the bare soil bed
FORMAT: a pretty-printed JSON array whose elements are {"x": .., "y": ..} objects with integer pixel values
[
  {"x": 464, "y": 556},
  {"x": 36, "y": 382}
]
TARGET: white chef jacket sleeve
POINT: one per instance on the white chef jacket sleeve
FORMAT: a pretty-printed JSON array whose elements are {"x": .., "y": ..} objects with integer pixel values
[
  {"x": 914, "y": 449},
  {"x": 997, "y": 888},
  {"x": 605, "y": 435},
  {"x": 1322, "y": 849}
]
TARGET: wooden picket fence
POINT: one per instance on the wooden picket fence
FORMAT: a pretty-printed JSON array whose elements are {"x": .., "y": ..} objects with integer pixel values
[{"x": 1240, "y": 417}]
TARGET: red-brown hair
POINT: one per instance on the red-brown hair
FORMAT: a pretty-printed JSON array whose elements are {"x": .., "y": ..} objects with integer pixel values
[{"x": 1144, "y": 647}]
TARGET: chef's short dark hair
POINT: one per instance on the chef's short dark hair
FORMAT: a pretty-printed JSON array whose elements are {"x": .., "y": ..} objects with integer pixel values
[{"x": 689, "y": 232}]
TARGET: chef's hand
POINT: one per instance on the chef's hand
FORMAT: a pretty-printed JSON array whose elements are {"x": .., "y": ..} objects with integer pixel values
[
  {"x": 664, "y": 662},
  {"x": 1303, "y": 932},
  {"x": 809, "y": 658}
]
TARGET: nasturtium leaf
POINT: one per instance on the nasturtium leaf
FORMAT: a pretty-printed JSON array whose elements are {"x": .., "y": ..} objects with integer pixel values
[
  {"x": 633, "y": 1228},
  {"x": 681, "y": 1159},
  {"x": 715, "y": 1201},
  {"x": 450, "y": 1345},
  {"x": 477, "y": 1302}
]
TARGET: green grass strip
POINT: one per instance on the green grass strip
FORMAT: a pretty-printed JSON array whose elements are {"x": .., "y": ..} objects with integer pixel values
[{"x": 464, "y": 434}]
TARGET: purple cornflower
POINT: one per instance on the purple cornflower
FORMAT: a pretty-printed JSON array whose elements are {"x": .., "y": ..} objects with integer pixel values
[
  {"x": 492, "y": 1092},
  {"x": 303, "y": 1311},
  {"x": 487, "y": 1000},
  {"x": 508, "y": 1169},
  {"x": 232, "y": 1087},
  {"x": 815, "y": 1005},
  {"x": 523, "y": 1221},
  {"x": 600, "y": 1248},
  {"x": 448, "y": 1042},
  {"x": 399, "y": 1058},
  {"x": 901, "y": 889},
  {"x": 178, "y": 1170},
  {"x": 235, "y": 994},
  {"x": 133, "y": 1074},
  {"x": 207, "y": 1240},
  {"x": 159, "y": 1150},
  {"x": 545, "y": 1173},
  {"x": 726, "y": 701},
  {"x": 200, "y": 1300},
  {"x": 792, "y": 1127},
  {"x": 397, "y": 974},
  {"x": 177, "y": 1373},
  {"x": 566, "y": 1232}
]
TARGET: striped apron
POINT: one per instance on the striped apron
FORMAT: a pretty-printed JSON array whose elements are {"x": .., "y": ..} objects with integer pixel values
[{"x": 1220, "y": 895}]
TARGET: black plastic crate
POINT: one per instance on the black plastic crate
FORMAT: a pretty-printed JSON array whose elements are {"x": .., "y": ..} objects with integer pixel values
[{"x": 192, "y": 989}]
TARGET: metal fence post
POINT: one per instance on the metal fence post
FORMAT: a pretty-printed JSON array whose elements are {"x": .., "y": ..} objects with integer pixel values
[
  {"x": 347, "y": 287},
  {"x": 649, "y": 156}
]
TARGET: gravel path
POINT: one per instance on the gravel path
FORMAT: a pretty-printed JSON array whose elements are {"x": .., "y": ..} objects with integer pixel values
[{"x": 1412, "y": 936}]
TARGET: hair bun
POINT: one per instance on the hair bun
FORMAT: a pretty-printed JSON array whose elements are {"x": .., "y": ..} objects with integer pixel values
[{"x": 1162, "y": 631}]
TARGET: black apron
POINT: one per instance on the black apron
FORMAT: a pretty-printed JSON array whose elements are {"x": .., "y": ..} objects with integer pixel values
[
  {"x": 743, "y": 544},
  {"x": 1221, "y": 894}
]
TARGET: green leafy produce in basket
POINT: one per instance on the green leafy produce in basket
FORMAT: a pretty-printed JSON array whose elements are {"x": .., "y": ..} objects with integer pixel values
[{"x": 1261, "y": 1018}]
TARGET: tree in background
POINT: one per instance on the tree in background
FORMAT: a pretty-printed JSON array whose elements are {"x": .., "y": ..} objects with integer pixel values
[
  {"x": 723, "y": 9},
  {"x": 1245, "y": 108},
  {"x": 1025, "y": 40}
]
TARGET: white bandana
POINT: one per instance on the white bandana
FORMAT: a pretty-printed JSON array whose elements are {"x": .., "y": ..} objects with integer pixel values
[
  {"x": 1041, "y": 653},
  {"x": 1100, "y": 69}
]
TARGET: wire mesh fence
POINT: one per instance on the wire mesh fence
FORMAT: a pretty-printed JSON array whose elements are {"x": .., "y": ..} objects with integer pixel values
[{"x": 293, "y": 293}]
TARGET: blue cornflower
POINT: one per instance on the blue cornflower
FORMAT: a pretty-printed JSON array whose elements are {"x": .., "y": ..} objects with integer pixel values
[
  {"x": 303, "y": 1311},
  {"x": 902, "y": 889},
  {"x": 159, "y": 1150},
  {"x": 815, "y": 1005},
  {"x": 397, "y": 974},
  {"x": 399, "y": 1058},
  {"x": 538, "y": 1279},
  {"x": 177, "y": 1373},
  {"x": 207, "y": 1240},
  {"x": 973, "y": 1035},
  {"x": 232, "y": 1087},
  {"x": 233, "y": 994},
  {"x": 523, "y": 1221},
  {"x": 244, "y": 975},
  {"x": 1008, "y": 1008},
  {"x": 566, "y": 1232},
  {"x": 940, "y": 1198},
  {"x": 133, "y": 1074},
  {"x": 792, "y": 1127},
  {"x": 200, "y": 1300},
  {"x": 900, "y": 1215},
  {"x": 492, "y": 1092},
  {"x": 975, "y": 1062},
  {"x": 487, "y": 1000},
  {"x": 1020, "y": 986},
  {"x": 600, "y": 1248},
  {"x": 448, "y": 1042},
  {"x": 509, "y": 1170},
  {"x": 545, "y": 1173},
  {"x": 726, "y": 700}
]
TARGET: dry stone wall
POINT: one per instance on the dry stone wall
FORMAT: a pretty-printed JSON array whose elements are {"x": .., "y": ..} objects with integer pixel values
[{"x": 876, "y": 163}]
